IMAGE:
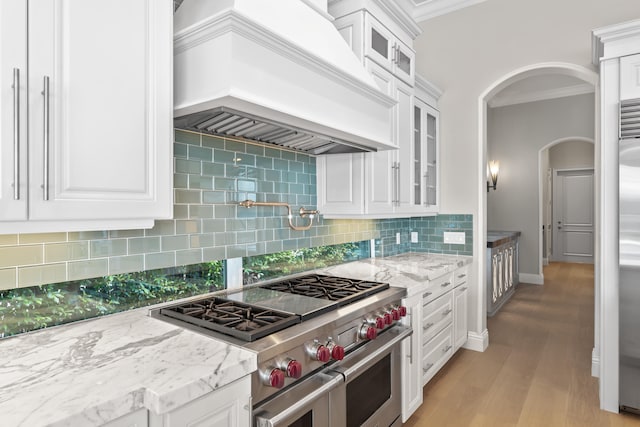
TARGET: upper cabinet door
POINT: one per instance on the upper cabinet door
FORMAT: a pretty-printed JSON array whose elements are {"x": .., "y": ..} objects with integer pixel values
[
  {"x": 100, "y": 109},
  {"x": 405, "y": 63},
  {"x": 379, "y": 43},
  {"x": 381, "y": 171},
  {"x": 13, "y": 110},
  {"x": 381, "y": 46},
  {"x": 630, "y": 77},
  {"x": 425, "y": 141}
]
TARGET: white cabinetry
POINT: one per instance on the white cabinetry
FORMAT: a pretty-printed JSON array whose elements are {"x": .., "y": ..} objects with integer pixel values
[
  {"x": 392, "y": 183},
  {"x": 460, "y": 298},
  {"x": 87, "y": 126},
  {"x": 229, "y": 406},
  {"x": 630, "y": 77},
  {"x": 426, "y": 149},
  {"x": 437, "y": 313},
  {"x": 139, "y": 418},
  {"x": 387, "y": 171},
  {"x": 382, "y": 46},
  {"x": 411, "y": 362}
]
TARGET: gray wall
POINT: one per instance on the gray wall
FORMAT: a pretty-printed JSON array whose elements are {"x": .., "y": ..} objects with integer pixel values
[
  {"x": 571, "y": 155},
  {"x": 465, "y": 52},
  {"x": 515, "y": 136}
]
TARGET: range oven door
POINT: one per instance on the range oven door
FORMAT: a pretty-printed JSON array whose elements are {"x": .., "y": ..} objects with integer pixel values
[
  {"x": 370, "y": 395},
  {"x": 361, "y": 390},
  {"x": 304, "y": 405}
]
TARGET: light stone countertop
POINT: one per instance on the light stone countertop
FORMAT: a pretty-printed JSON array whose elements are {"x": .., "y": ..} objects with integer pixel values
[
  {"x": 406, "y": 270},
  {"x": 91, "y": 372}
]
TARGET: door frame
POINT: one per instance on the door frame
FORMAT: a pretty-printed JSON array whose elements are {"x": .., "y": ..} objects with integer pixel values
[
  {"x": 542, "y": 181},
  {"x": 556, "y": 173}
]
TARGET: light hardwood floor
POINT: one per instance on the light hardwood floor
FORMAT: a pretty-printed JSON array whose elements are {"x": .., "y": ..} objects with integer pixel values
[{"x": 537, "y": 369}]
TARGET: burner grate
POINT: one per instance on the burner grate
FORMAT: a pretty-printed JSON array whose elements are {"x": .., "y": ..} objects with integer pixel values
[
  {"x": 233, "y": 318},
  {"x": 339, "y": 289}
]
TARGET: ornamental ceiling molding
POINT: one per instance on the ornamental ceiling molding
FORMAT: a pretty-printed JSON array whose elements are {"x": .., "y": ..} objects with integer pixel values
[{"x": 423, "y": 10}]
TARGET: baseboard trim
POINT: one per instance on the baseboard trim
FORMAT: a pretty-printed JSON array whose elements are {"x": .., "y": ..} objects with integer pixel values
[
  {"x": 545, "y": 261},
  {"x": 477, "y": 342},
  {"x": 595, "y": 364},
  {"x": 534, "y": 279}
]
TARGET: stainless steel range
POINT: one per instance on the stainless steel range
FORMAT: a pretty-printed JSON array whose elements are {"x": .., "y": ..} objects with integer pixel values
[{"x": 320, "y": 341}]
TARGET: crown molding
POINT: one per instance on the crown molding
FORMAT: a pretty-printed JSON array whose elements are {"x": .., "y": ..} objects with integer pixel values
[
  {"x": 428, "y": 88},
  {"x": 401, "y": 17},
  {"x": 614, "y": 40},
  {"x": 425, "y": 10},
  {"x": 542, "y": 95}
]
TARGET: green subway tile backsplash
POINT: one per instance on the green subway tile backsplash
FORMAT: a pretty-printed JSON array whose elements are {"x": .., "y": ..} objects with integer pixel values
[{"x": 211, "y": 176}]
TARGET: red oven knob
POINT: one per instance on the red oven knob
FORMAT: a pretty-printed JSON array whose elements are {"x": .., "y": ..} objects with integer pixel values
[
  {"x": 379, "y": 321},
  {"x": 403, "y": 310},
  {"x": 337, "y": 352},
  {"x": 323, "y": 354},
  {"x": 368, "y": 332},
  {"x": 294, "y": 369},
  {"x": 318, "y": 352},
  {"x": 388, "y": 319},
  {"x": 276, "y": 378},
  {"x": 395, "y": 314}
]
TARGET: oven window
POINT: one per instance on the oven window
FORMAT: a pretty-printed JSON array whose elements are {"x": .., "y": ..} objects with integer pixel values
[
  {"x": 368, "y": 392},
  {"x": 304, "y": 421}
]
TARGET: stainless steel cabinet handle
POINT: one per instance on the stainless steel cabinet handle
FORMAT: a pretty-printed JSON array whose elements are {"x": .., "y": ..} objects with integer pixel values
[
  {"x": 427, "y": 326},
  {"x": 426, "y": 294},
  {"x": 393, "y": 183},
  {"x": 446, "y": 312},
  {"x": 45, "y": 139},
  {"x": 463, "y": 289},
  {"x": 445, "y": 284},
  {"x": 447, "y": 348},
  {"x": 398, "y": 184},
  {"x": 16, "y": 133},
  {"x": 460, "y": 276},
  {"x": 426, "y": 368}
]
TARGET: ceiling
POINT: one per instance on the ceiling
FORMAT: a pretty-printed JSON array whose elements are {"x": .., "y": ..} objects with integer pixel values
[{"x": 538, "y": 88}]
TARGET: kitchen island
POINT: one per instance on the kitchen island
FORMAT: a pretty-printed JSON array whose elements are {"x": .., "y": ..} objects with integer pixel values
[
  {"x": 502, "y": 268},
  {"x": 92, "y": 372}
]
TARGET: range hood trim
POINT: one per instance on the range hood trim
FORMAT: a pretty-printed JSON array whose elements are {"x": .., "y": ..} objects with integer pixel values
[
  {"x": 231, "y": 20},
  {"x": 325, "y": 145},
  {"x": 345, "y": 109}
]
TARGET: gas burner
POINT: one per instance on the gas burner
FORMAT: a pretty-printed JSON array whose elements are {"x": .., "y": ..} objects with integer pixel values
[
  {"x": 239, "y": 320},
  {"x": 339, "y": 289}
]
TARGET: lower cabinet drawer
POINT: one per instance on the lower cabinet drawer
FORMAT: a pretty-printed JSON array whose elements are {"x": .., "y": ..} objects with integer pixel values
[
  {"x": 460, "y": 276},
  {"x": 436, "y": 353},
  {"x": 437, "y": 287},
  {"x": 436, "y": 315}
]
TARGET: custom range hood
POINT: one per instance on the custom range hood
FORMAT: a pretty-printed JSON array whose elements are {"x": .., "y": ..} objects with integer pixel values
[{"x": 277, "y": 72}]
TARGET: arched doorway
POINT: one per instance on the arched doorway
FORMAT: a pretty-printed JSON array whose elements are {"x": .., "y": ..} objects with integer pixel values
[
  {"x": 545, "y": 199},
  {"x": 566, "y": 69}
]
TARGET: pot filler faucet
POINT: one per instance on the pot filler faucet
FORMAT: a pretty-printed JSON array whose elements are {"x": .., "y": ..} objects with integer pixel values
[{"x": 304, "y": 213}]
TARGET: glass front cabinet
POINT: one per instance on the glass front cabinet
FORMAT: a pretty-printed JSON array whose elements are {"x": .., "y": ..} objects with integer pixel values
[{"x": 425, "y": 152}]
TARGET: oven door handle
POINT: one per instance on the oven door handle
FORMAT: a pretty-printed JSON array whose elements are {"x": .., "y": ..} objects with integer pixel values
[
  {"x": 361, "y": 359},
  {"x": 266, "y": 419}
]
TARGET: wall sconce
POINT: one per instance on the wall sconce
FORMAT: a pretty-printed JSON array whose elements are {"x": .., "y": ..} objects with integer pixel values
[{"x": 494, "y": 169}]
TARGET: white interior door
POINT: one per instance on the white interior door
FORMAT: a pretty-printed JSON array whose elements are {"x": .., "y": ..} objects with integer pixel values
[{"x": 573, "y": 199}]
